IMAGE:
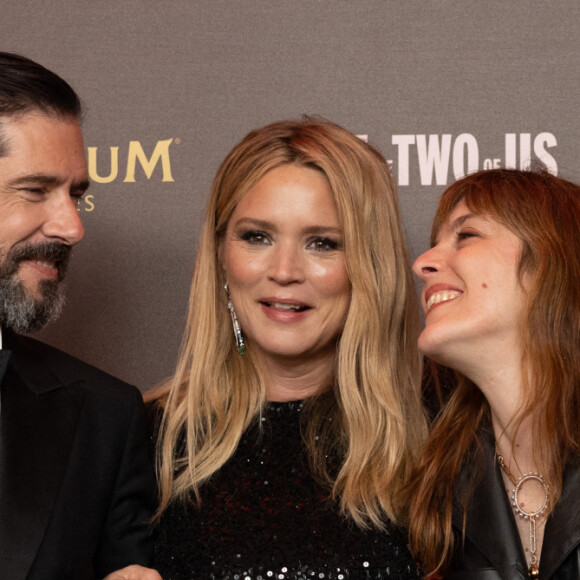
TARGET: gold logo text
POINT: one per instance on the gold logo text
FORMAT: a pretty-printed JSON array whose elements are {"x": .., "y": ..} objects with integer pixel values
[{"x": 135, "y": 153}]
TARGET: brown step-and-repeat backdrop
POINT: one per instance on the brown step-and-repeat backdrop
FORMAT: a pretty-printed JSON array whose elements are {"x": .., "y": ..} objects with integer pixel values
[{"x": 441, "y": 87}]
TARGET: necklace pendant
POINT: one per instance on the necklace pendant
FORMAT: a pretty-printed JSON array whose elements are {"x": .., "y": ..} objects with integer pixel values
[
  {"x": 519, "y": 510},
  {"x": 530, "y": 516}
]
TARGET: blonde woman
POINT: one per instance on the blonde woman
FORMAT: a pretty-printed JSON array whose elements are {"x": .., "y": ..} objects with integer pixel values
[{"x": 294, "y": 417}]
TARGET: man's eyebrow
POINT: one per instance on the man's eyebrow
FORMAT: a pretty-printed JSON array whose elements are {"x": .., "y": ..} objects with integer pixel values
[
  {"x": 81, "y": 185},
  {"x": 48, "y": 181},
  {"x": 36, "y": 179}
]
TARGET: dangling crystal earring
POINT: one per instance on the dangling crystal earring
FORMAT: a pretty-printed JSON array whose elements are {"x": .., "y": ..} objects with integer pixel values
[{"x": 237, "y": 330}]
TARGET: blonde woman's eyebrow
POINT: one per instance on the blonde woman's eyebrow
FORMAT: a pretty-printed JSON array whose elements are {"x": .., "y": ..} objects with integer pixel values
[{"x": 264, "y": 224}]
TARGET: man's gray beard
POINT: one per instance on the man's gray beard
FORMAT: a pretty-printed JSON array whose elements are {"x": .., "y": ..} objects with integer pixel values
[
  {"x": 23, "y": 313},
  {"x": 19, "y": 310}
]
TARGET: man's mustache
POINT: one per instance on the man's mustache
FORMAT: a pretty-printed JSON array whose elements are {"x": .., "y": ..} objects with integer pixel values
[{"x": 54, "y": 251}]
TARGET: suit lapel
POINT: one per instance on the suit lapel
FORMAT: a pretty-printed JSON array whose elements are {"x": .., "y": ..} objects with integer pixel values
[
  {"x": 4, "y": 359},
  {"x": 562, "y": 534},
  {"x": 490, "y": 523},
  {"x": 491, "y": 526},
  {"x": 38, "y": 421}
]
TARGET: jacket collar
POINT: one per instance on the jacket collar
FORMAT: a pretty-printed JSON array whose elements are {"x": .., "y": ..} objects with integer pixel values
[
  {"x": 34, "y": 366},
  {"x": 562, "y": 533},
  {"x": 490, "y": 522},
  {"x": 38, "y": 422}
]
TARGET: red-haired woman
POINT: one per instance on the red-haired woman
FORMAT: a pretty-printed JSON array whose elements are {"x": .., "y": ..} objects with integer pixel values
[{"x": 498, "y": 491}]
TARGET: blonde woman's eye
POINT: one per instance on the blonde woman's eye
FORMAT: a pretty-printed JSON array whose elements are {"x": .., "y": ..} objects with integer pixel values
[
  {"x": 323, "y": 244},
  {"x": 255, "y": 237}
]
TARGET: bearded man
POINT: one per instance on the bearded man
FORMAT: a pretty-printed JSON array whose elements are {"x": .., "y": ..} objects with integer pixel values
[{"x": 76, "y": 484}]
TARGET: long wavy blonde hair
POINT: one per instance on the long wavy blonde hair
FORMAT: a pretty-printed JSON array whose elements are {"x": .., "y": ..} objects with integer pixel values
[{"x": 215, "y": 395}]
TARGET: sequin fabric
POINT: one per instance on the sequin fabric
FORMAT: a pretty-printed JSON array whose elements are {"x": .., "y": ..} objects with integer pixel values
[{"x": 263, "y": 517}]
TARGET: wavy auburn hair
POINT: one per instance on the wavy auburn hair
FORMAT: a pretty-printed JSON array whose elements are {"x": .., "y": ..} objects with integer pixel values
[
  {"x": 374, "y": 401},
  {"x": 543, "y": 211}
]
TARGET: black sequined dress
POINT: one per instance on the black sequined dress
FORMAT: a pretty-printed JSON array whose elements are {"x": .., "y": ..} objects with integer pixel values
[{"x": 264, "y": 517}]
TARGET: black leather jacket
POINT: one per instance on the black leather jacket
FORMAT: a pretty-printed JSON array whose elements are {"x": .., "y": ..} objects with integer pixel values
[{"x": 493, "y": 549}]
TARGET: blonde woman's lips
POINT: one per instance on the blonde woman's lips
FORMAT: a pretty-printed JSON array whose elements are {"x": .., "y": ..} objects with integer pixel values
[{"x": 284, "y": 310}]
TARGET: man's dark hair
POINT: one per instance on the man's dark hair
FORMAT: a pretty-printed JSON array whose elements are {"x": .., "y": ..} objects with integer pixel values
[{"x": 27, "y": 86}]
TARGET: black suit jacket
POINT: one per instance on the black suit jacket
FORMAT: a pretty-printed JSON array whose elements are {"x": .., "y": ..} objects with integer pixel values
[
  {"x": 76, "y": 482},
  {"x": 493, "y": 550}
]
